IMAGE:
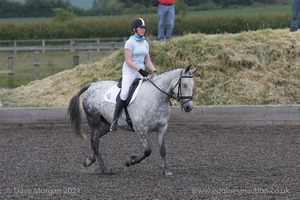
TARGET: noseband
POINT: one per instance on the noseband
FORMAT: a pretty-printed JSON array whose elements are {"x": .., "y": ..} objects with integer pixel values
[{"x": 179, "y": 92}]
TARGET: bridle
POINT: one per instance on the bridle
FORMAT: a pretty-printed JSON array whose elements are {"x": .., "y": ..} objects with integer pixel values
[
  {"x": 179, "y": 92},
  {"x": 179, "y": 96}
]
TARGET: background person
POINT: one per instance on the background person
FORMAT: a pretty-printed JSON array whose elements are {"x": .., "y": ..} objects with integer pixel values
[
  {"x": 166, "y": 15},
  {"x": 295, "y": 15}
]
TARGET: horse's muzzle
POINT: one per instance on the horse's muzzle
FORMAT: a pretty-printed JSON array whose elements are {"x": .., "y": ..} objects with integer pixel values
[{"x": 187, "y": 106}]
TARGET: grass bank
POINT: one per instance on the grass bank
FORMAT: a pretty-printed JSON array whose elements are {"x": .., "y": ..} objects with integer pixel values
[{"x": 249, "y": 68}]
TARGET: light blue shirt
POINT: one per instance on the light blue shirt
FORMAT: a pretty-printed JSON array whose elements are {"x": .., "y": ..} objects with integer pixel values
[{"x": 139, "y": 51}]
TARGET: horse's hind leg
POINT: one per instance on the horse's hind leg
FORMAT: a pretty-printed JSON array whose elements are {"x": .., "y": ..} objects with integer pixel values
[
  {"x": 90, "y": 160},
  {"x": 94, "y": 133},
  {"x": 97, "y": 131}
]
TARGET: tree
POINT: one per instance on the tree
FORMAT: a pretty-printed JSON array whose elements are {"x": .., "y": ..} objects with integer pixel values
[
  {"x": 96, "y": 4},
  {"x": 11, "y": 9},
  {"x": 62, "y": 15},
  {"x": 39, "y": 8}
]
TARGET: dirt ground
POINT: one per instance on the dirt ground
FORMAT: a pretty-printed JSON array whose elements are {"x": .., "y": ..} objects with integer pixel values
[{"x": 208, "y": 162}]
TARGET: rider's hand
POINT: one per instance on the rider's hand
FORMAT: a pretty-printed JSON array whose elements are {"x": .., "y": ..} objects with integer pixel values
[{"x": 143, "y": 72}]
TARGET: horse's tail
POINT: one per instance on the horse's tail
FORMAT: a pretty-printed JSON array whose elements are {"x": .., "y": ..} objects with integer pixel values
[{"x": 75, "y": 113}]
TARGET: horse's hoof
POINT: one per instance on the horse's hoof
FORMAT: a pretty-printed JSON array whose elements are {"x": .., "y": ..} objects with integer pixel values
[
  {"x": 105, "y": 172},
  {"x": 109, "y": 172},
  {"x": 127, "y": 164},
  {"x": 131, "y": 161},
  {"x": 88, "y": 162},
  {"x": 168, "y": 173}
]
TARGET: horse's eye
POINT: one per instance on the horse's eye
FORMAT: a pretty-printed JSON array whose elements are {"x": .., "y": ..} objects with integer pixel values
[{"x": 184, "y": 85}]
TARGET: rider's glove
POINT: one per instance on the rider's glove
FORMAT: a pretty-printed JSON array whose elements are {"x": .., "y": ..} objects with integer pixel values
[{"x": 143, "y": 72}]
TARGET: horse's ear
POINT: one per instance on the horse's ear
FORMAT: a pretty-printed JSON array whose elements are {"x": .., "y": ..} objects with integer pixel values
[
  {"x": 187, "y": 69},
  {"x": 194, "y": 70}
]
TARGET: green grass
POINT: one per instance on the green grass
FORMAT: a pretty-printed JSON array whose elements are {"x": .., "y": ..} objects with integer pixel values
[
  {"x": 84, "y": 18},
  {"x": 209, "y": 22},
  {"x": 247, "y": 10},
  {"x": 24, "y": 20},
  {"x": 229, "y": 11}
]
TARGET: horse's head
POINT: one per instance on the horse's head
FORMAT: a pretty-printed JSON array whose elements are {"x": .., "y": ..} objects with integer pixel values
[{"x": 184, "y": 89}]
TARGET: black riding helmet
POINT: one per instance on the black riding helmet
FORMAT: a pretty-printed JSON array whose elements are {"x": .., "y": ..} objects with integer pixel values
[{"x": 139, "y": 22}]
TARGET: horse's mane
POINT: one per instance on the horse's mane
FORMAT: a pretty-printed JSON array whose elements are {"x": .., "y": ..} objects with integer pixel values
[
  {"x": 170, "y": 69},
  {"x": 164, "y": 72}
]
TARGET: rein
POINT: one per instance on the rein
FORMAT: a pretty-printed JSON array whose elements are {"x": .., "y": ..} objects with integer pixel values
[
  {"x": 179, "y": 93},
  {"x": 169, "y": 95}
]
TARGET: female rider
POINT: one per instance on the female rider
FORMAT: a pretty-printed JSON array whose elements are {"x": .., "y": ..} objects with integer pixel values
[{"x": 136, "y": 56}]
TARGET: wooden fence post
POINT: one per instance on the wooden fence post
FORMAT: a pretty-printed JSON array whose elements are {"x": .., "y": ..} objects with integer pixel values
[
  {"x": 98, "y": 43},
  {"x": 75, "y": 60},
  {"x": 15, "y": 46},
  {"x": 11, "y": 73},
  {"x": 112, "y": 47},
  {"x": 90, "y": 55},
  {"x": 72, "y": 42},
  {"x": 43, "y": 45},
  {"x": 36, "y": 65}
]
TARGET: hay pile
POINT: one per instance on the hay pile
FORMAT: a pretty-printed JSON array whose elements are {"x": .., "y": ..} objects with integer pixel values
[{"x": 249, "y": 68}]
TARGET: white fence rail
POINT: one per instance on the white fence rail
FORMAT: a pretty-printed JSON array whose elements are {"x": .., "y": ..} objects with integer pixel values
[{"x": 72, "y": 45}]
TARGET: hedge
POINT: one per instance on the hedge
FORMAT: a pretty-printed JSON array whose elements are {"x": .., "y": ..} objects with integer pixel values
[{"x": 120, "y": 26}]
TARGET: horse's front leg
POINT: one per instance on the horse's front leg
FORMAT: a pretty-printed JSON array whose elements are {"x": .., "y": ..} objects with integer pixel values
[
  {"x": 147, "y": 151},
  {"x": 162, "y": 149}
]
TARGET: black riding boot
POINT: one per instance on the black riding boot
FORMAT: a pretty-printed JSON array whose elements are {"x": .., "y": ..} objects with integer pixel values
[{"x": 118, "y": 109}]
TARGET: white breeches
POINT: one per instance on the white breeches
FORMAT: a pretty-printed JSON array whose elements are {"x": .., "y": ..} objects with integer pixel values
[{"x": 128, "y": 76}]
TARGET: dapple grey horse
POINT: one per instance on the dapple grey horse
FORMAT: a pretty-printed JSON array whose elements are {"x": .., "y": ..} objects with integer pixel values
[{"x": 150, "y": 111}]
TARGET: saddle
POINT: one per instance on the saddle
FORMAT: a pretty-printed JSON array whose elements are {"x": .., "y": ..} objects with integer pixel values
[
  {"x": 131, "y": 91},
  {"x": 113, "y": 94}
]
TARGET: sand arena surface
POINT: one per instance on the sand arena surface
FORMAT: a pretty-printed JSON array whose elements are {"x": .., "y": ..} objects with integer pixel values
[{"x": 208, "y": 162}]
